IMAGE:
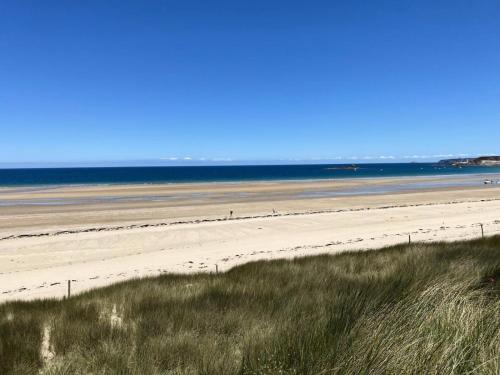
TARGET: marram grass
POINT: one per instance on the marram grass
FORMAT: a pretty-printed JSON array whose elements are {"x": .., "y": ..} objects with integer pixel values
[{"x": 409, "y": 309}]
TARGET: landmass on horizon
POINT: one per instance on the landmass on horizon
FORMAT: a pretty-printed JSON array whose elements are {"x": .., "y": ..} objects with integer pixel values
[{"x": 484, "y": 161}]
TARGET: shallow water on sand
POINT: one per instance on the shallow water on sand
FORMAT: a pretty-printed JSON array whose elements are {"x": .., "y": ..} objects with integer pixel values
[{"x": 390, "y": 186}]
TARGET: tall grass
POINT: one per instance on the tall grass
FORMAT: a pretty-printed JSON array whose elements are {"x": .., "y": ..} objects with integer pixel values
[{"x": 410, "y": 309}]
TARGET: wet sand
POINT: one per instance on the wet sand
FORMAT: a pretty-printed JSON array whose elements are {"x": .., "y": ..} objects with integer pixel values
[{"x": 102, "y": 241}]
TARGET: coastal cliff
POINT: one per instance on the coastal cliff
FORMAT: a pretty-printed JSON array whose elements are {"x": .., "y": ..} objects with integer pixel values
[{"x": 485, "y": 161}]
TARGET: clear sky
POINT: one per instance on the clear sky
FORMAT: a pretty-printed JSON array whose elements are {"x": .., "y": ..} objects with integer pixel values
[{"x": 105, "y": 80}]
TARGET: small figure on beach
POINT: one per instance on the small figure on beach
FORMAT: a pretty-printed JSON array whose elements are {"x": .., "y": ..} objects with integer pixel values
[
  {"x": 231, "y": 213},
  {"x": 274, "y": 211}
]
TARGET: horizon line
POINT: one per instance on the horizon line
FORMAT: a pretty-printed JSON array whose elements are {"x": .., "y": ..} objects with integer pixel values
[{"x": 202, "y": 162}]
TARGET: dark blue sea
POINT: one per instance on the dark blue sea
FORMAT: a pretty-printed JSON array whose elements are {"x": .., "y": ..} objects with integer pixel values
[{"x": 150, "y": 175}]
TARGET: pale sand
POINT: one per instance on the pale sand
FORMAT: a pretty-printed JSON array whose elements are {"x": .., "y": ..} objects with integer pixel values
[{"x": 96, "y": 244}]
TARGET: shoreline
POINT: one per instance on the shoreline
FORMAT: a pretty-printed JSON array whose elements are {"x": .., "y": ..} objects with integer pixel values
[
  {"x": 70, "y": 207},
  {"x": 31, "y": 188},
  {"x": 241, "y": 182}
]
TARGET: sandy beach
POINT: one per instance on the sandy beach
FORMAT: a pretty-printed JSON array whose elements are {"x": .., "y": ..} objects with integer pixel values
[{"x": 98, "y": 235}]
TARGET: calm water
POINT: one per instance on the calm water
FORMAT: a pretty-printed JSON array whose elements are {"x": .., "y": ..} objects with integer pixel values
[{"x": 145, "y": 175}]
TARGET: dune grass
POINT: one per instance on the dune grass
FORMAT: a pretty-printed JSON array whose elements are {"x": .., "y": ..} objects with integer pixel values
[{"x": 409, "y": 309}]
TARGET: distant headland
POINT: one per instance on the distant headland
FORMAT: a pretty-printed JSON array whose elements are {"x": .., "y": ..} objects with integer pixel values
[{"x": 484, "y": 161}]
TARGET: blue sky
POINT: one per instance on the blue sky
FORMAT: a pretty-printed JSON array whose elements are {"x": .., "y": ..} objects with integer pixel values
[{"x": 229, "y": 81}]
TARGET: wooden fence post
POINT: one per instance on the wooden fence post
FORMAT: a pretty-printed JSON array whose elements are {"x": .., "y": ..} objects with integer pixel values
[
  {"x": 482, "y": 230},
  {"x": 69, "y": 288}
]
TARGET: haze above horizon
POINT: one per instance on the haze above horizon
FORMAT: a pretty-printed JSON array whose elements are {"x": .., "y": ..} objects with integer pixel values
[{"x": 225, "y": 82}]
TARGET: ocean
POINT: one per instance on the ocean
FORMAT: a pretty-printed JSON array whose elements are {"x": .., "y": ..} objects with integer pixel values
[{"x": 152, "y": 175}]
